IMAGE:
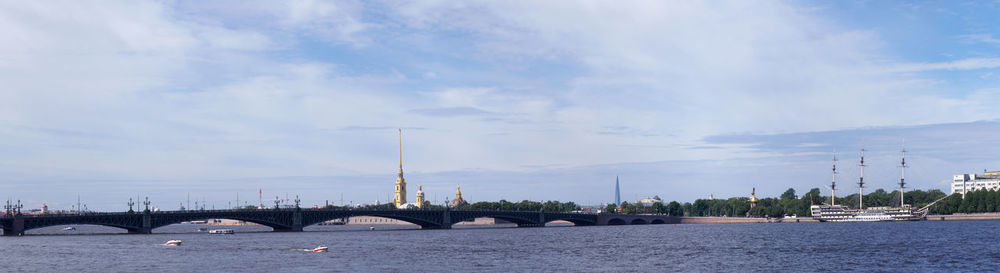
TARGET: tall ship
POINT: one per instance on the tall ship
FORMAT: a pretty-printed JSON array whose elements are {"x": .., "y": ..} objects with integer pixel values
[{"x": 838, "y": 213}]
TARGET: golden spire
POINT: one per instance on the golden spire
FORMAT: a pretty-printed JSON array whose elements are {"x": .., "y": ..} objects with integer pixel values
[
  {"x": 400, "y": 151},
  {"x": 400, "y": 197},
  {"x": 458, "y": 193}
]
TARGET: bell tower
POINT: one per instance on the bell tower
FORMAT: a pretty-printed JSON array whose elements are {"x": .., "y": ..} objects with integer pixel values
[
  {"x": 400, "y": 197},
  {"x": 420, "y": 196}
]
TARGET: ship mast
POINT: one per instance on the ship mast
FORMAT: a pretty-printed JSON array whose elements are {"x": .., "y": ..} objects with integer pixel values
[
  {"x": 902, "y": 176},
  {"x": 833, "y": 182},
  {"x": 861, "y": 181}
]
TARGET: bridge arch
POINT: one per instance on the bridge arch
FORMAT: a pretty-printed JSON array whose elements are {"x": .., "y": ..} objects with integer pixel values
[
  {"x": 520, "y": 220},
  {"x": 129, "y": 229},
  {"x": 616, "y": 221},
  {"x": 575, "y": 220},
  {"x": 276, "y": 223},
  {"x": 274, "y": 227},
  {"x": 638, "y": 221},
  {"x": 409, "y": 219},
  {"x": 658, "y": 222},
  {"x": 424, "y": 219}
]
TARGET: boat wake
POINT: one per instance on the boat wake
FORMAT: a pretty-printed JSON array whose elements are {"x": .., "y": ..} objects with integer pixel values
[{"x": 317, "y": 249}]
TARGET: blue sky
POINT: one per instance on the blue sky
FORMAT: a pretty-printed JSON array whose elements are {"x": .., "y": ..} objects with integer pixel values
[{"x": 511, "y": 99}]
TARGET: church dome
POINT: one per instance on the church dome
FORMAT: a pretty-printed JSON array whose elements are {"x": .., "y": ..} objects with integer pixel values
[{"x": 458, "y": 201}]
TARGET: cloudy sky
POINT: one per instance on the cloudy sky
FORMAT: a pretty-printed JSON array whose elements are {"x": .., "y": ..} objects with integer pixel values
[{"x": 517, "y": 100}]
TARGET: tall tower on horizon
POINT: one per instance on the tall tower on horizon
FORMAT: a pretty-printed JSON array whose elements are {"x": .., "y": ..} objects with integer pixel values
[
  {"x": 618, "y": 193},
  {"x": 400, "y": 197}
]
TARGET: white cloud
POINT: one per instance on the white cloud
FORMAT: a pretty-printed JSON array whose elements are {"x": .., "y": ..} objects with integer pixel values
[
  {"x": 963, "y": 64},
  {"x": 707, "y": 67},
  {"x": 191, "y": 90}
]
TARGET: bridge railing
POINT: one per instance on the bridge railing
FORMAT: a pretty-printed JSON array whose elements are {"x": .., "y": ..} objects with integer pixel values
[{"x": 280, "y": 209}]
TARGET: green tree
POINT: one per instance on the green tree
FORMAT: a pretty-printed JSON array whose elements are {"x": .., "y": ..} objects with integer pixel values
[
  {"x": 674, "y": 209},
  {"x": 814, "y": 196},
  {"x": 789, "y": 194},
  {"x": 658, "y": 208},
  {"x": 610, "y": 208}
]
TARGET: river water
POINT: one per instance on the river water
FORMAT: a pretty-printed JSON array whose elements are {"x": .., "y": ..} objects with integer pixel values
[{"x": 970, "y": 246}]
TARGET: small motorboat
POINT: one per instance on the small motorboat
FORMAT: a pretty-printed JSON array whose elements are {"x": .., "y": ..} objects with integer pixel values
[
  {"x": 221, "y": 231},
  {"x": 173, "y": 243},
  {"x": 320, "y": 249},
  {"x": 69, "y": 229},
  {"x": 202, "y": 229},
  {"x": 371, "y": 228}
]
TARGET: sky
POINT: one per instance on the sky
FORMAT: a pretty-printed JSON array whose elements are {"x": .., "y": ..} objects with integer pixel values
[{"x": 540, "y": 100}]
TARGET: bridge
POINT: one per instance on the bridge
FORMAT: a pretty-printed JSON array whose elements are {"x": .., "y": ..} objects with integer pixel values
[{"x": 291, "y": 220}]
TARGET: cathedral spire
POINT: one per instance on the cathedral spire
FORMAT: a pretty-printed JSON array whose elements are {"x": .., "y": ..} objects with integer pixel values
[
  {"x": 400, "y": 196},
  {"x": 400, "y": 152}
]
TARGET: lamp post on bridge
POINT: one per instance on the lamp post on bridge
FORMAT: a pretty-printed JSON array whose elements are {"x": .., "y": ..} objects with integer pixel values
[
  {"x": 146, "y": 203},
  {"x": 277, "y": 201},
  {"x": 130, "y": 204},
  {"x": 297, "y": 201},
  {"x": 12, "y": 208}
]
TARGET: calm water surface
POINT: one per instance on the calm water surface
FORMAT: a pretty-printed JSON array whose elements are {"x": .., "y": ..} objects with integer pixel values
[{"x": 971, "y": 246}]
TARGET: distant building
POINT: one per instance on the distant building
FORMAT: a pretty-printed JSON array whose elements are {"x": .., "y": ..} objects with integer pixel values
[
  {"x": 648, "y": 202},
  {"x": 420, "y": 196},
  {"x": 458, "y": 201},
  {"x": 618, "y": 193},
  {"x": 964, "y": 183}
]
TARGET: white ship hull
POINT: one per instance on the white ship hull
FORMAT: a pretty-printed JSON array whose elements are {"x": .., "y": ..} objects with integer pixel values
[{"x": 827, "y": 213}]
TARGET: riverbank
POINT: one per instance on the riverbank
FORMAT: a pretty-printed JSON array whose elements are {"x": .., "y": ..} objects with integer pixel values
[
  {"x": 965, "y": 216},
  {"x": 731, "y": 220}
]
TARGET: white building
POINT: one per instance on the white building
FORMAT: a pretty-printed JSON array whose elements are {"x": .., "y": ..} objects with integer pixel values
[
  {"x": 648, "y": 202},
  {"x": 964, "y": 183}
]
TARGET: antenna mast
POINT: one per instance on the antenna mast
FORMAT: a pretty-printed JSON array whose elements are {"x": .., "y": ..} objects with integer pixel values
[
  {"x": 833, "y": 182},
  {"x": 902, "y": 175},
  {"x": 861, "y": 181}
]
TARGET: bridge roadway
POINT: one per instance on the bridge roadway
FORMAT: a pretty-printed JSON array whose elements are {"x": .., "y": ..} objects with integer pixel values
[{"x": 295, "y": 219}]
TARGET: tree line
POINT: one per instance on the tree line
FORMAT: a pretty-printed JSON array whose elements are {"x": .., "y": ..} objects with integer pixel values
[
  {"x": 786, "y": 204},
  {"x": 525, "y": 205},
  {"x": 974, "y": 202}
]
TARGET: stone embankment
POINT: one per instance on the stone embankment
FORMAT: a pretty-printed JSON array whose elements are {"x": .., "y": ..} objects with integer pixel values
[
  {"x": 717, "y": 220},
  {"x": 965, "y": 216}
]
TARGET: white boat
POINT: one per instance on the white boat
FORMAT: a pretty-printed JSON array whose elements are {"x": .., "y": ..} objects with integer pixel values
[
  {"x": 69, "y": 228},
  {"x": 221, "y": 231},
  {"x": 320, "y": 249},
  {"x": 173, "y": 243}
]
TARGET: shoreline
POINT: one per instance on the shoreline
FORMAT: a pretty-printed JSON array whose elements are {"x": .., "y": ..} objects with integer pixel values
[{"x": 965, "y": 216}]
